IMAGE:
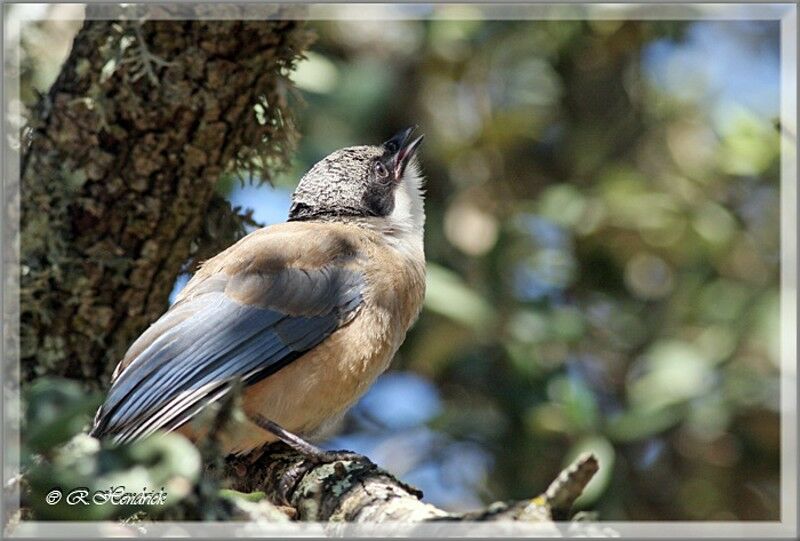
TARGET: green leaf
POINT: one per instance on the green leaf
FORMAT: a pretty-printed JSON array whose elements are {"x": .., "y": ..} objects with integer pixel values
[
  {"x": 236, "y": 495},
  {"x": 55, "y": 411},
  {"x": 448, "y": 295}
]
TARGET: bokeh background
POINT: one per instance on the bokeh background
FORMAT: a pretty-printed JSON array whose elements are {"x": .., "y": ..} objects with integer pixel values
[{"x": 603, "y": 247}]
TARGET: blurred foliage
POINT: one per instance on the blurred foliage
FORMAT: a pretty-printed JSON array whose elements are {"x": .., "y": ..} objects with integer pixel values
[
  {"x": 603, "y": 254},
  {"x": 69, "y": 475},
  {"x": 603, "y": 246},
  {"x": 57, "y": 455}
]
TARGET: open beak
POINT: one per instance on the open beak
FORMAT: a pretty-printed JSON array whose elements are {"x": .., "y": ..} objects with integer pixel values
[{"x": 406, "y": 148}]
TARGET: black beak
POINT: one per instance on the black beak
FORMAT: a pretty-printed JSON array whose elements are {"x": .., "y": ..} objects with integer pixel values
[{"x": 403, "y": 150}]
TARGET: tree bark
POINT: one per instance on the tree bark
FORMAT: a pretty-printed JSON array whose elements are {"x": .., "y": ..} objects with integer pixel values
[
  {"x": 359, "y": 491},
  {"x": 118, "y": 178}
]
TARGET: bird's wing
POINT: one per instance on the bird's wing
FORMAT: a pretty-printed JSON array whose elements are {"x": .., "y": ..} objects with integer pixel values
[{"x": 250, "y": 311}]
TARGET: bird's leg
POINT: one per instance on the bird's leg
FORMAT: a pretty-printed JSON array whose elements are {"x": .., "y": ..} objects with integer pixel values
[
  {"x": 309, "y": 450},
  {"x": 292, "y": 440}
]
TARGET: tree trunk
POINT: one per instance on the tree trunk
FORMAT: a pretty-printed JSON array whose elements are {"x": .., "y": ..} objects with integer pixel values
[{"x": 118, "y": 178}]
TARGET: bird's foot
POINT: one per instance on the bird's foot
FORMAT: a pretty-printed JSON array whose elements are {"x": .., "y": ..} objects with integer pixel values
[
  {"x": 294, "y": 474},
  {"x": 291, "y": 478},
  {"x": 327, "y": 457},
  {"x": 314, "y": 456}
]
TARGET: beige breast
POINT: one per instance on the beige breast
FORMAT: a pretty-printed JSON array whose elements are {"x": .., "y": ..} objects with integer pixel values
[{"x": 322, "y": 384}]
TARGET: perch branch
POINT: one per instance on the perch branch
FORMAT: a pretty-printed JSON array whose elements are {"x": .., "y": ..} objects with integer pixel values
[{"x": 359, "y": 491}]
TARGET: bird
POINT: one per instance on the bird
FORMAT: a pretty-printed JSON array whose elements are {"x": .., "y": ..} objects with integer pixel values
[{"x": 300, "y": 317}]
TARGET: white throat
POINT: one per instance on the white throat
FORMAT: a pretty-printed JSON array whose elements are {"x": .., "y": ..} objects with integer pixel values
[{"x": 405, "y": 226}]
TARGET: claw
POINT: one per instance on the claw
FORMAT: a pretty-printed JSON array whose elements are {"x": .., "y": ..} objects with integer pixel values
[{"x": 327, "y": 457}]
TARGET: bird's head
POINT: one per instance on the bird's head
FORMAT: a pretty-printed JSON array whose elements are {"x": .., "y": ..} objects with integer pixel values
[{"x": 382, "y": 182}]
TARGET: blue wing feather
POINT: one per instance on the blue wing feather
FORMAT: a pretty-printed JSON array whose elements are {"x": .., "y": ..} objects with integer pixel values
[{"x": 197, "y": 360}]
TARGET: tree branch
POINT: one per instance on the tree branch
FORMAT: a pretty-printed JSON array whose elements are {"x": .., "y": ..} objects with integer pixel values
[{"x": 359, "y": 491}]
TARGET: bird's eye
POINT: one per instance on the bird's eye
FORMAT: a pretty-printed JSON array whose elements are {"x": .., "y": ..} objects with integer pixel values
[{"x": 381, "y": 170}]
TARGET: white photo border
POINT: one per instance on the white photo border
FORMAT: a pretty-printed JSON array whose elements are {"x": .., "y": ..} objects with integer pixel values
[{"x": 787, "y": 527}]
